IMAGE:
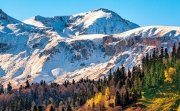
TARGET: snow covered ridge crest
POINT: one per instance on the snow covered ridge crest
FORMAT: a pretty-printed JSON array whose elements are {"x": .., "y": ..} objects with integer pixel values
[
  {"x": 100, "y": 21},
  {"x": 36, "y": 53}
]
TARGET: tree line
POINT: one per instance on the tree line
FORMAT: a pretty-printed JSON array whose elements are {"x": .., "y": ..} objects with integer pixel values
[{"x": 113, "y": 92}]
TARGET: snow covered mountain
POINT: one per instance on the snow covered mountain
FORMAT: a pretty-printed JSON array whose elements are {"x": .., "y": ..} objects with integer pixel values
[
  {"x": 41, "y": 53},
  {"x": 100, "y": 21}
]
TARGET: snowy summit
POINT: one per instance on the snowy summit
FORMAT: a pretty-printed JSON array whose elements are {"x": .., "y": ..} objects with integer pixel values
[{"x": 100, "y": 21}]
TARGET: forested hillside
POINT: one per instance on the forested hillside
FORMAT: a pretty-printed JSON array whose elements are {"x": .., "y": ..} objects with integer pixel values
[{"x": 152, "y": 85}]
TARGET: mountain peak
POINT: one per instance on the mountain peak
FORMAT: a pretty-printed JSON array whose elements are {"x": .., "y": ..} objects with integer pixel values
[
  {"x": 38, "y": 17},
  {"x": 104, "y": 10},
  {"x": 92, "y": 22},
  {"x": 6, "y": 19},
  {"x": 3, "y": 15}
]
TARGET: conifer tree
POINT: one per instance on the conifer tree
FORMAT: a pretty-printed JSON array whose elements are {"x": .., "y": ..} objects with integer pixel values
[
  {"x": 104, "y": 81},
  {"x": 27, "y": 84},
  {"x": 69, "y": 108},
  {"x": 162, "y": 53},
  {"x": 166, "y": 53},
  {"x": 51, "y": 108},
  {"x": 109, "y": 76},
  {"x": 117, "y": 76},
  {"x": 117, "y": 99},
  {"x": 1, "y": 89},
  {"x": 129, "y": 73},
  {"x": 9, "y": 88},
  {"x": 127, "y": 97},
  {"x": 147, "y": 58},
  {"x": 73, "y": 82},
  {"x": 122, "y": 75},
  {"x": 178, "y": 52},
  {"x": 44, "y": 83},
  {"x": 35, "y": 108},
  {"x": 173, "y": 55},
  {"x": 62, "y": 109},
  {"x": 40, "y": 108}
]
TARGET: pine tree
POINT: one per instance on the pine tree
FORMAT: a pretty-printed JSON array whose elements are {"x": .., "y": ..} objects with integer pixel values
[
  {"x": 35, "y": 108},
  {"x": 51, "y": 108},
  {"x": 73, "y": 82},
  {"x": 40, "y": 108},
  {"x": 117, "y": 99},
  {"x": 20, "y": 88},
  {"x": 69, "y": 108},
  {"x": 105, "y": 81},
  {"x": 162, "y": 53},
  {"x": 27, "y": 84},
  {"x": 41, "y": 82},
  {"x": 1, "y": 89},
  {"x": 154, "y": 53},
  {"x": 65, "y": 83},
  {"x": 129, "y": 83},
  {"x": 122, "y": 75},
  {"x": 174, "y": 50},
  {"x": 173, "y": 54},
  {"x": 62, "y": 109},
  {"x": 141, "y": 76},
  {"x": 74, "y": 99},
  {"x": 109, "y": 76},
  {"x": 129, "y": 73},
  {"x": 178, "y": 52},
  {"x": 9, "y": 88},
  {"x": 147, "y": 58},
  {"x": 44, "y": 83},
  {"x": 166, "y": 53},
  {"x": 117, "y": 75},
  {"x": 127, "y": 97}
]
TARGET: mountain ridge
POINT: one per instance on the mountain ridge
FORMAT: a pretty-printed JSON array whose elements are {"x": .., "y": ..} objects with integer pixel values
[
  {"x": 5, "y": 19},
  {"x": 36, "y": 53},
  {"x": 85, "y": 23}
]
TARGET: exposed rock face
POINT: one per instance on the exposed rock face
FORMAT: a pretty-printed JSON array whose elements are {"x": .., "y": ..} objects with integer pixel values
[
  {"x": 57, "y": 23},
  {"x": 4, "y": 47}
]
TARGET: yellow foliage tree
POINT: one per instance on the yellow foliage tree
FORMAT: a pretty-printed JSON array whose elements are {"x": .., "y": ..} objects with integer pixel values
[
  {"x": 107, "y": 94},
  {"x": 107, "y": 97},
  {"x": 169, "y": 73},
  {"x": 98, "y": 98},
  {"x": 89, "y": 103}
]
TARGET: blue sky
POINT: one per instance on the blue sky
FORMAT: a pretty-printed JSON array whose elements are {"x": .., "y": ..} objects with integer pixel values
[{"x": 142, "y": 12}]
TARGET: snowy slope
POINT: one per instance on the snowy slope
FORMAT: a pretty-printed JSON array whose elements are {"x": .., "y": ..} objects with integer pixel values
[
  {"x": 100, "y": 21},
  {"x": 34, "y": 53},
  {"x": 126, "y": 49}
]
